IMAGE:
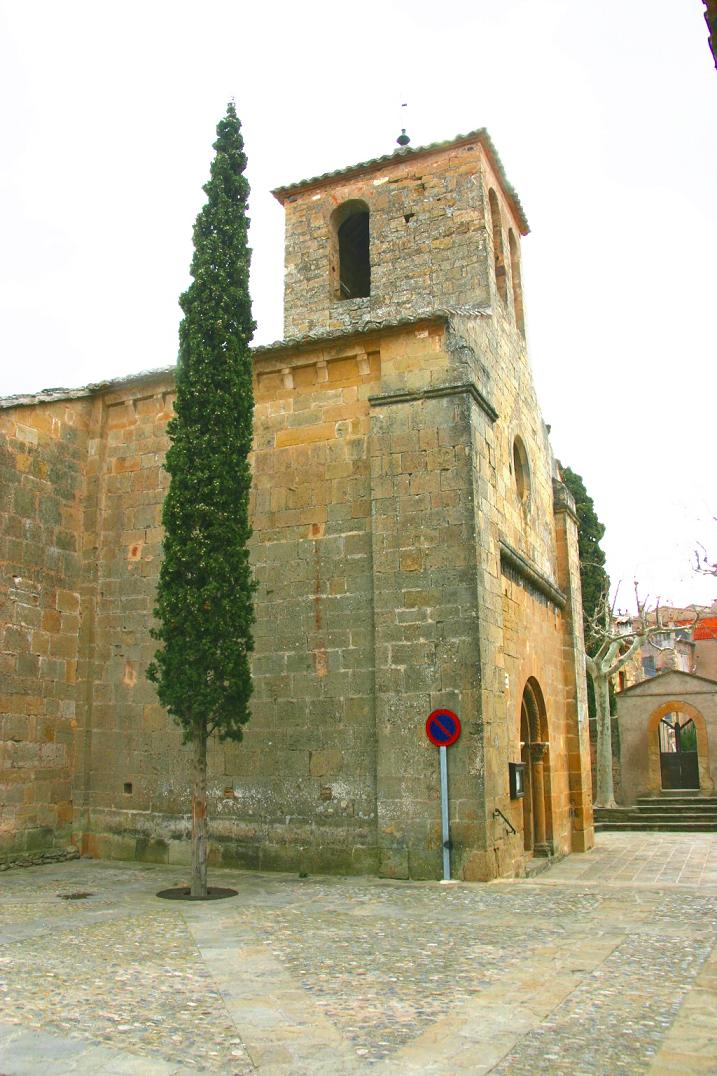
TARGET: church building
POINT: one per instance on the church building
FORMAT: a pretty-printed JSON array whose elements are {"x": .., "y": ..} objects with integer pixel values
[{"x": 414, "y": 547}]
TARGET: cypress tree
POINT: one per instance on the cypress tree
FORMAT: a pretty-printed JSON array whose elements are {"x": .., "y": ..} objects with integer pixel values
[
  {"x": 594, "y": 580},
  {"x": 204, "y": 609}
]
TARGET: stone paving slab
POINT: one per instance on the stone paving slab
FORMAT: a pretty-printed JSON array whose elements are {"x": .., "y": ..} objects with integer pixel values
[{"x": 604, "y": 964}]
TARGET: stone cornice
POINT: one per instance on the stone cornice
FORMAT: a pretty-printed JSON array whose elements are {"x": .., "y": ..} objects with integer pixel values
[
  {"x": 373, "y": 324},
  {"x": 522, "y": 567},
  {"x": 466, "y": 388}
]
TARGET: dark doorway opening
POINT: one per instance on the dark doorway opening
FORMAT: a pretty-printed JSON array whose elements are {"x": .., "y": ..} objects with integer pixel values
[{"x": 679, "y": 766}]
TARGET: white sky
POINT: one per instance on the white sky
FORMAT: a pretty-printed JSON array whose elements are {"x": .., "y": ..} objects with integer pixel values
[{"x": 604, "y": 117}]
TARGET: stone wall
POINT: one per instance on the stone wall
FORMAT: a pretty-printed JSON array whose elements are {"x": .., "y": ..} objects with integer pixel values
[
  {"x": 577, "y": 733},
  {"x": 130, "y": 753},
  {"x": 526, "y": 631},
  {"x": 382, "y": 505},
  {"x": 706, "y": 658},
  {"x": 412, "y": 544},
  {"x": 42, "y": 459}
]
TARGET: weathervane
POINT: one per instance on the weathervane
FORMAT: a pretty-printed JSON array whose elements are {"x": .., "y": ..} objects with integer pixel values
[{"x": 403, "y": 138}]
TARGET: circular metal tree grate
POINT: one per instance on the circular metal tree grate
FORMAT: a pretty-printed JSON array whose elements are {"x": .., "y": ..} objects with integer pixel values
[{"x": 183, "y": 892}]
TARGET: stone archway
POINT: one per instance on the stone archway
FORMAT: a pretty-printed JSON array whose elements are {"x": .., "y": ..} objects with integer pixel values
[
  {"x": 653, "y": 743},
  {"x": 537, "y": 802}
]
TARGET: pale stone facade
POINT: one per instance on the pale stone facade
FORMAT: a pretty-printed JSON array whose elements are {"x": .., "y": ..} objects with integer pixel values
[
  {"x": 413, "y": 544},
  {"x": 640, "y": 709}
]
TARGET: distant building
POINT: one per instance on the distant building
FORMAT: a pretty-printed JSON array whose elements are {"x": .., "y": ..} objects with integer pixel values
[
  {"x": 704, "y": 639},
  {"x": 667, "y": 736},
  {"x": 666, "y": 696},
  {"x": 692, "y": 649}
]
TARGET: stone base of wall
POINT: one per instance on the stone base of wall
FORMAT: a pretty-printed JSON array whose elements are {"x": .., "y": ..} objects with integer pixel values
[
  {"x": 583, "y": 839},
  {"x": 155, "y": 838},
  {"x": 34, "y": 859},
  {"x": 166, "y": 839},
  {"x": 30, "y": 843}
]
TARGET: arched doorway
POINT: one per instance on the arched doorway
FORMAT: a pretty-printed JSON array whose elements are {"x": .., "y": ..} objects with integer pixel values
[
  {"x": 537, "y": 813},
  {"x": 678, "y": 751},
  {"x": 677, "y": 748}
]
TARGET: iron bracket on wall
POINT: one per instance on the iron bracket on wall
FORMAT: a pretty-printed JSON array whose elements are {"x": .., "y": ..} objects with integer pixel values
[{"x": 497, "y": 813}]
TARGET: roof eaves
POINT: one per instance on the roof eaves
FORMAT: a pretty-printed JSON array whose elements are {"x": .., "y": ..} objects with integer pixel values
[
  {"x": 372, "y": 325},
  {"x": 321, "y": 336},
  {"x": 481, "y": 134},
  {"x": 58, "y": 394},
  {"x": 663, "y": 673}
]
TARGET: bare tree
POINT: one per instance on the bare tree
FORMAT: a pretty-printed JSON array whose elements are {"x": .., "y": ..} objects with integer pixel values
[
  {"x": 704, "y": 565},
  {"x": 613, "y": 645}
]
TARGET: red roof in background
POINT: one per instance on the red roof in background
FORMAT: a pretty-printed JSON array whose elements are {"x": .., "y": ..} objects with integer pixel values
[{"x": 705, "y": 629}]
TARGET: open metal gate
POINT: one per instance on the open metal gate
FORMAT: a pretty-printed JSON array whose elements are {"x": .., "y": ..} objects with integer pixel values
[{"x": 678, "y": 752}]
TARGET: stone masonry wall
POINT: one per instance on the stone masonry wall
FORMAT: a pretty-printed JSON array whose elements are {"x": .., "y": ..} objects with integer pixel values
[
  {"x": 364, "y": 618},
  {"x": 435, "y": 242},
  {"x": 131, "y": 751},
  {"x": 42, "y": 457},
  {"x": 523, "y": 634},
  {"x": 300, "y": 789},
  {"x": 407, "y": 550},
  {"x": 428, "y": 242},
  {"x": 426, "y": 630},
  {"x": 382, "y": 492},
  {"x": 304, "y": 785},
  {"x": 577, "y": 735}
]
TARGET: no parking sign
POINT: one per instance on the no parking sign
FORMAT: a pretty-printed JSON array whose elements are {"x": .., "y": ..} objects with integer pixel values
[{"x": 443, "y": 727}]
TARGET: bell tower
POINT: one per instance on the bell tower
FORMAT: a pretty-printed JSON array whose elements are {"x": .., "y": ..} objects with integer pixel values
[{"x": 404, "y": 235}]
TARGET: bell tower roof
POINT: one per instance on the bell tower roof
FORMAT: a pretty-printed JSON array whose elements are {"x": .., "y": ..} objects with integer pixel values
[{"x": 480, "y": 136}]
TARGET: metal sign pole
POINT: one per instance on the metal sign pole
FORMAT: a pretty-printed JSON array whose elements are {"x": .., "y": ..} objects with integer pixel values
[
  {"x": 444, "y": 815},
  {"x": 443, "y": 728}
]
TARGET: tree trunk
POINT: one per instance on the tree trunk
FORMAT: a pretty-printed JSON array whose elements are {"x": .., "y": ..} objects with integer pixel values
[
  {"x": 199, "y": 812},
  {"x": 605, "y": 792}
]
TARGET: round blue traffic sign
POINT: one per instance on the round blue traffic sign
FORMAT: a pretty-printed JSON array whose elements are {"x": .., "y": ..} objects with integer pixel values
[{"x": 443, "y": 727}]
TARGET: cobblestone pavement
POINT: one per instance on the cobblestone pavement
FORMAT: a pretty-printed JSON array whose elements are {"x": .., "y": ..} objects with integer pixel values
[{"x": 605, "y": 964}]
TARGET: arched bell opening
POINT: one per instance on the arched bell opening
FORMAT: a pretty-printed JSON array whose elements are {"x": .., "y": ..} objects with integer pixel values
[
  {"x": 350, "y": 260},
  {"x": 537, "y": 806},
  {"x": 501, "y": 280}
]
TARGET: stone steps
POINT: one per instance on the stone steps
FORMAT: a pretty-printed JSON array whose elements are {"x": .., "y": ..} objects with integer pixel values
[
  {"x": 537, "y": 865},
  {"x": 640, "y": 826},
  {"x": 677, "y": 800},
  {"x": 675, "y": 813}
]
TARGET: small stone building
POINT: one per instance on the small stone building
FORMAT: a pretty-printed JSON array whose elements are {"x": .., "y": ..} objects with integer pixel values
[
  {"x": 668, "y": 736},
  {"x": 413, "y": 544}
]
